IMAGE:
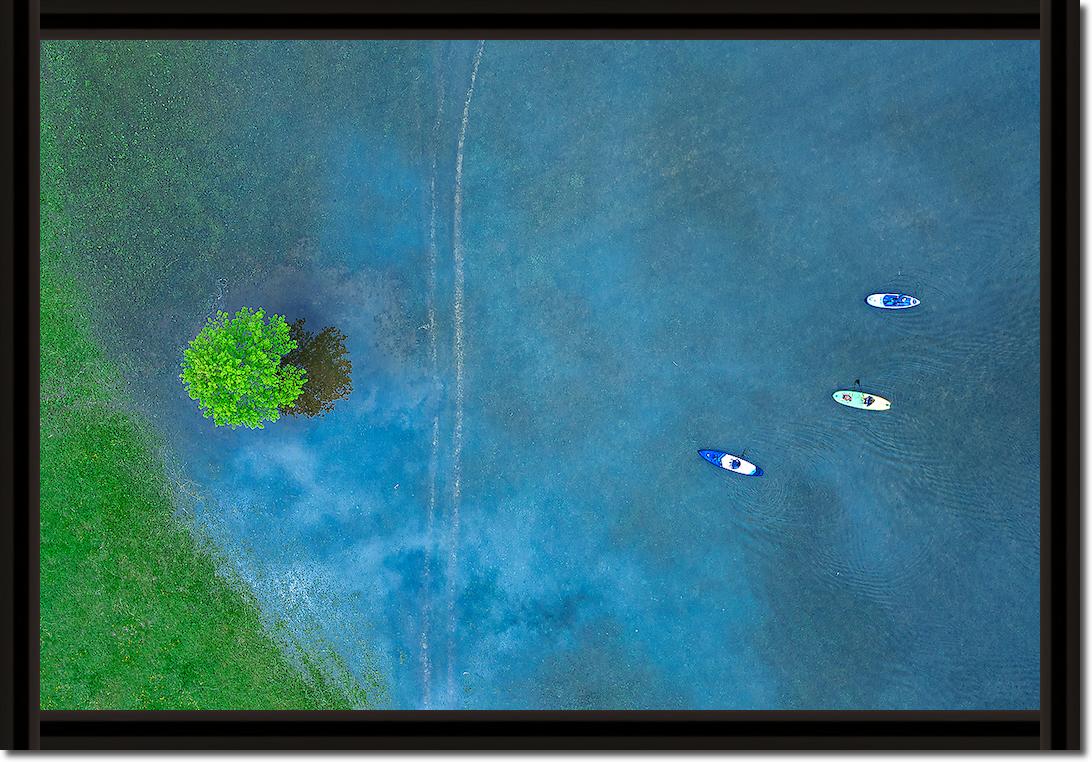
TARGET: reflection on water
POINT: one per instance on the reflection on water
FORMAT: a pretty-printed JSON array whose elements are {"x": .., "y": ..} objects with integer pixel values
[{"x": 329, "y": 371}]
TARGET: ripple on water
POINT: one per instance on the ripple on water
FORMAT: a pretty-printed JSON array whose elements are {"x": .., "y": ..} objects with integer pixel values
[
  {"x": 953, "y": 666},
  {"x": 851, "y": 560}
]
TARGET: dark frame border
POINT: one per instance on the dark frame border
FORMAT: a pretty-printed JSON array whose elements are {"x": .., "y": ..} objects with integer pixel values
[
  {"x": 541, "y": 730},
  {"x": 1055, "y": 726}
]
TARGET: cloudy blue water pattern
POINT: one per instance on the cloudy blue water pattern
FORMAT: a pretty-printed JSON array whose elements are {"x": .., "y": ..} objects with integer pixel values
[{"x": 561, "y": 285}]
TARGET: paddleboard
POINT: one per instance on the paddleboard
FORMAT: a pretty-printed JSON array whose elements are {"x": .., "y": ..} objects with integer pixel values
[
  {"x": 861, "y": 400},
  {"x": 730, "y": 462},
  {"x": 892, "y": 301}
]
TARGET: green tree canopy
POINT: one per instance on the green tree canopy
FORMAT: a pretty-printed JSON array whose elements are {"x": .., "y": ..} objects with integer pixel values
[
  {"x": 324, "y": 357},
  {"x": 234, "y": 369}
]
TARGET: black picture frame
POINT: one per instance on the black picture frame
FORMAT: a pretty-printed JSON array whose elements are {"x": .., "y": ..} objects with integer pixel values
[{"x": 1055, "y": 725}]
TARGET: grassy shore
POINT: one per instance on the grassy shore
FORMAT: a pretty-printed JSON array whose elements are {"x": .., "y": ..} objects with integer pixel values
[{"x": 135, "y": 612}]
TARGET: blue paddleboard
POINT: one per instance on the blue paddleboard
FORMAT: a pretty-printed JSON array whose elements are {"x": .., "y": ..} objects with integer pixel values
[{"x": 730, "y": 462}]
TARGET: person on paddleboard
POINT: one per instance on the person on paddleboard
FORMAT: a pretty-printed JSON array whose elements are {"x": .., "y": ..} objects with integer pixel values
[{"x": 868, "y": 400}]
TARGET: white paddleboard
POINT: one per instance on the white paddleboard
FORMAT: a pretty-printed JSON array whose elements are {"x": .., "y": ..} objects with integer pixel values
[{"x": 861, "y": 400}]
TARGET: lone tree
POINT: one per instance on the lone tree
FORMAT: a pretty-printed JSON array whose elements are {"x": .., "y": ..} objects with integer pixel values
[
  {"x": 324, "y": 357},
  {"x": 235, "y": 369}
]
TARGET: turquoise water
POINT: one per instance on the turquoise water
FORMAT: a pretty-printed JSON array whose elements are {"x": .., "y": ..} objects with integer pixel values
[{"x": 563, "y": 268}]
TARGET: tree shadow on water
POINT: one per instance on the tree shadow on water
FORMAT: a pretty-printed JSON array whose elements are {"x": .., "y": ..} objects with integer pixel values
[{"x": 328, "y": 367}]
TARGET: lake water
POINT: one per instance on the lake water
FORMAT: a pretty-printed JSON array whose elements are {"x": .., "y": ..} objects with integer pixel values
[{"x": 563, "y": 268}]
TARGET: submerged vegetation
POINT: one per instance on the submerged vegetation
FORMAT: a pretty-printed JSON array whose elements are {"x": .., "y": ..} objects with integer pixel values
[
  {"x": 234, "y": 369},
  {"x": 136, "y": 613},
  {"x": 324, "y": 358}
]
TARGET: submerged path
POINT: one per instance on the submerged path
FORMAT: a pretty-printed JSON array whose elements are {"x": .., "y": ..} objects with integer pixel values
[
  {"x": 434, "y": 452},
  {"x": 457, "y": 347}
]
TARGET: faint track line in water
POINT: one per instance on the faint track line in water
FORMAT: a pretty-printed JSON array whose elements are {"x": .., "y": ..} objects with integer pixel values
[
  {"x": 458, "y": 351},
  {"x": 426, "y": 655},
  {"x": 434, "y": 451}
]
